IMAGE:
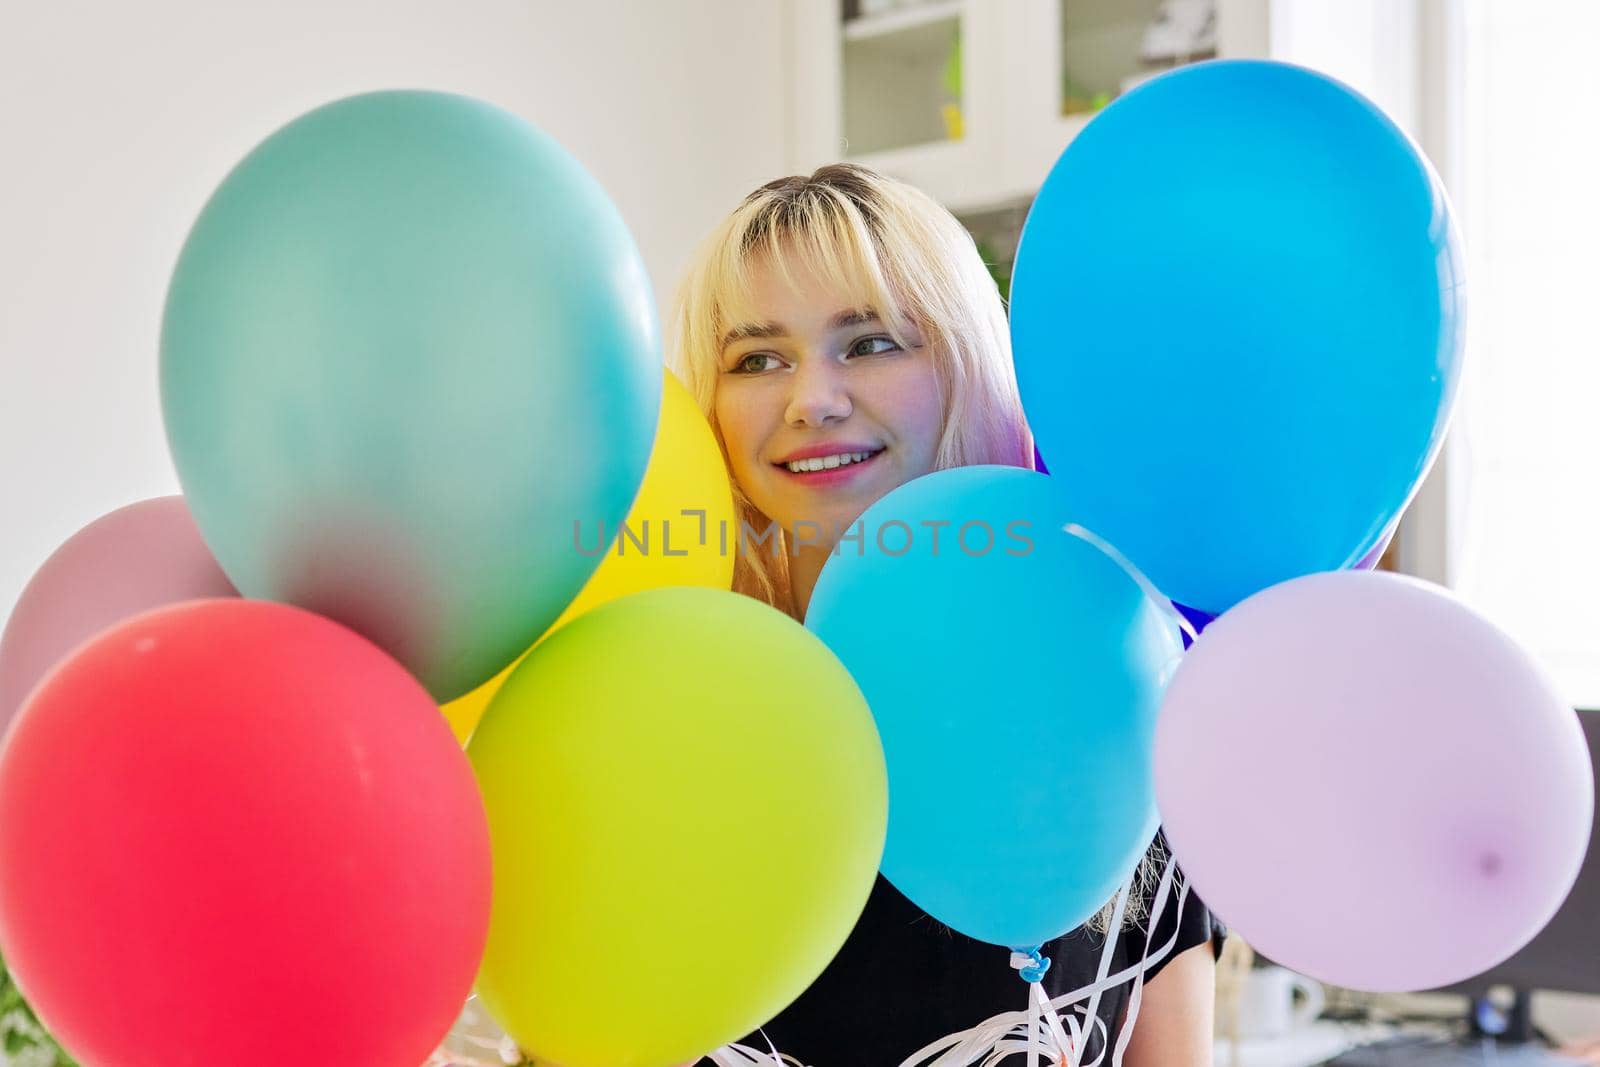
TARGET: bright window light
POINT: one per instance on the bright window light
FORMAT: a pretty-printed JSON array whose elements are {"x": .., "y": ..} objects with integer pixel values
[{"x": 1525, "y": 462}]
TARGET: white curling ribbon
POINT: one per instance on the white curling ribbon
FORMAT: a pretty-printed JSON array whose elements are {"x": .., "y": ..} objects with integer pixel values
[
  {"x": 736, "y": 1055},
  {"x": 504, "y": 1048},
  {"x": 1015, "y": 1032},
  {"x": 1162, "y": 602},
  {"x": 1033, "y": 1020},
  {"x": 1071, "y": 1045},
  {"x": 1136, "y": 972},
  {"x": 1011, "y": 1034},
  {"x": 1043, "y": 1025},
  {"x": 1163, "y": 891},
  {"x": 1113, "y": 931}
]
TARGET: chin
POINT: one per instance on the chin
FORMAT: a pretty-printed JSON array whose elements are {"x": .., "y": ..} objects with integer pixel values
[
  {"x": 843, "y": 513},
  {"x": 788, "y": 522}
]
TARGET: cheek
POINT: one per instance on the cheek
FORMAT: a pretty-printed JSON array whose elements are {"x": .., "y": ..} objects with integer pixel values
[
  {"x": 920, "y": 404},
  {"x": 739, "y": 419}
]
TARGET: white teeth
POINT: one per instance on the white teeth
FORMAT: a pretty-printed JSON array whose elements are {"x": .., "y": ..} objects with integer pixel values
[{"x": 822, "y": 463}]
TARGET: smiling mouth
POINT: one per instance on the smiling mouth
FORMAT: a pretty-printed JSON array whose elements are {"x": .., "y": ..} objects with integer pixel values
[{"x": 824, "y": 464}]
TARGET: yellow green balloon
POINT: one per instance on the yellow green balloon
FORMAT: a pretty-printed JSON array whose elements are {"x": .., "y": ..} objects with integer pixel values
[
  {"x": 686, "y": 474},
  {"x": 687, "y": 804}
]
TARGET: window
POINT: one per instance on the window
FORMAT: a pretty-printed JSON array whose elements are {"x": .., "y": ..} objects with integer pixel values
[{"x": 1525, "y": 463}]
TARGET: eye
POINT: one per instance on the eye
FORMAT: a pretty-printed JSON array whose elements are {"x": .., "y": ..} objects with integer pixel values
[
  {"x": 863, "y": 347},
  {"x": 754, "y": 363}
]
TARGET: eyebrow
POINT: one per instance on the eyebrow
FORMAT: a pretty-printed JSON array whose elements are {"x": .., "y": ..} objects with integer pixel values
[{"x": 744, "y": 331}]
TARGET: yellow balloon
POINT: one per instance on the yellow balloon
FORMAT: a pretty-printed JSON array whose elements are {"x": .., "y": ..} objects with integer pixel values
[
  {"x": 687, "y": 804},
  {"x": 662, "y": 545}
]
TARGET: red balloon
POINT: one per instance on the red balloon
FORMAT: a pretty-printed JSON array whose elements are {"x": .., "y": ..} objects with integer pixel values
[{"x": 235, "y": 832}]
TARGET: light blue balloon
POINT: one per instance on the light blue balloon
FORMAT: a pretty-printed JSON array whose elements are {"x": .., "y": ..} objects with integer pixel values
[
  {"x": 408, "y": 345},
  {"x": 1237, "y": 321},
  {"x": 1014, "y": 671}
]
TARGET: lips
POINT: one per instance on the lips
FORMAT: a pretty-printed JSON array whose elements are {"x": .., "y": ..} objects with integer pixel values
[
  {"x": 837, "y": 476},
  {"x": 826, "y": 449},
  {"x": 830, "y": 462}
]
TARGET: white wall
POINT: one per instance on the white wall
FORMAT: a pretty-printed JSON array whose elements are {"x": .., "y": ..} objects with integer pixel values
[{"x": 117, "y": 121}]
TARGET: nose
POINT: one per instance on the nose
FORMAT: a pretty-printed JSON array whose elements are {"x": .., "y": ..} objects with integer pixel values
[{"x": 819, "y": 395}]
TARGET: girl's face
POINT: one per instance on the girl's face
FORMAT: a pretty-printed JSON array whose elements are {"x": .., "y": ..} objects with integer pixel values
[{"x": 822, "y": 412}]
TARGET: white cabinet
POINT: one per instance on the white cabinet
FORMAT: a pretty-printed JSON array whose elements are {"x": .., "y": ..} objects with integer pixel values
[{"x": 973, "y": 100}]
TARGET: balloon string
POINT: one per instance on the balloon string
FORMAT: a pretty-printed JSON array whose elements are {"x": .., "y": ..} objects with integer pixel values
[
  {"x": 1077, "y": 996},
  {"x": 442, "y": 1058},
  {"x": 1063, "y": 1042},
  {"x": 1150, "y": 957},
  {"x": 1156, "y": 908},
  {"x": 1117, "y": 912},
  {"x": 1016, "y": 1032},
  {"x": 1043, "y": 1024},
  {"x": 504, "y": 1048},
  {"x": 1033, "y": 1024},
  {"x": 1144, "y": 583},
  {"x": 1050, "y": 1023},
  {"x": 736, "y": 1055}
]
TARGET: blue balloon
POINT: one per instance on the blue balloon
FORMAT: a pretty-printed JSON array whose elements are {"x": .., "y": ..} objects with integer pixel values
[
  {"x": 1021, "y": 794},
  {"x": 1237, "y": 321},
  {"x": 408, "y": 347}
]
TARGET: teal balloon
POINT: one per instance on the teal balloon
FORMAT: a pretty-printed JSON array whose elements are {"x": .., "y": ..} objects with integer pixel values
[
  {"x": 408, "y": 345},
  {"x": 1014, "y": 670},
  {"x": 1237, "y": 320}
]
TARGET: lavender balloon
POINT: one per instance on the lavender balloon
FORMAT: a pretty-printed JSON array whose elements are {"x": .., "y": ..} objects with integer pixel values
[
  {"x": 142, "y": 556},
  {"x": 1418, "y": 798}
]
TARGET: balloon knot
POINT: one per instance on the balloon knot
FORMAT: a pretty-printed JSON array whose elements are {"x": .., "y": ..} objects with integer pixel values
[{"x": 1030, "y": 964}]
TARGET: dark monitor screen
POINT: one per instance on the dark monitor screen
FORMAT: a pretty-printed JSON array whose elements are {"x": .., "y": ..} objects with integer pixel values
[{"x": 1565, "y": 955}]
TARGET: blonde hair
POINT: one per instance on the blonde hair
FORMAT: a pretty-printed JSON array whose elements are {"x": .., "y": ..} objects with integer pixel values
[
  {"x": 910, "y": 258},
  {"x": 912, "y": 261}
]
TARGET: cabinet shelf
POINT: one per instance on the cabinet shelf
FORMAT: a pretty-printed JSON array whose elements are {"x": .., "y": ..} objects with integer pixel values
[
  {"x": 972, "y": 101},
  {"x": 866, "y": 27},
  {"x": 902, "y": 82}
]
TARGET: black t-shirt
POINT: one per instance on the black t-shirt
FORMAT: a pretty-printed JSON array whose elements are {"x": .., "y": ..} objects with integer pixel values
[{"x": 903, "y": 980}]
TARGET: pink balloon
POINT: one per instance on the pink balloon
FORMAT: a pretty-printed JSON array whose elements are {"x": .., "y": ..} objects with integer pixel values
[
  {"x": 1371, "y": 783},
  {"x": 142, "y": 556}
]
